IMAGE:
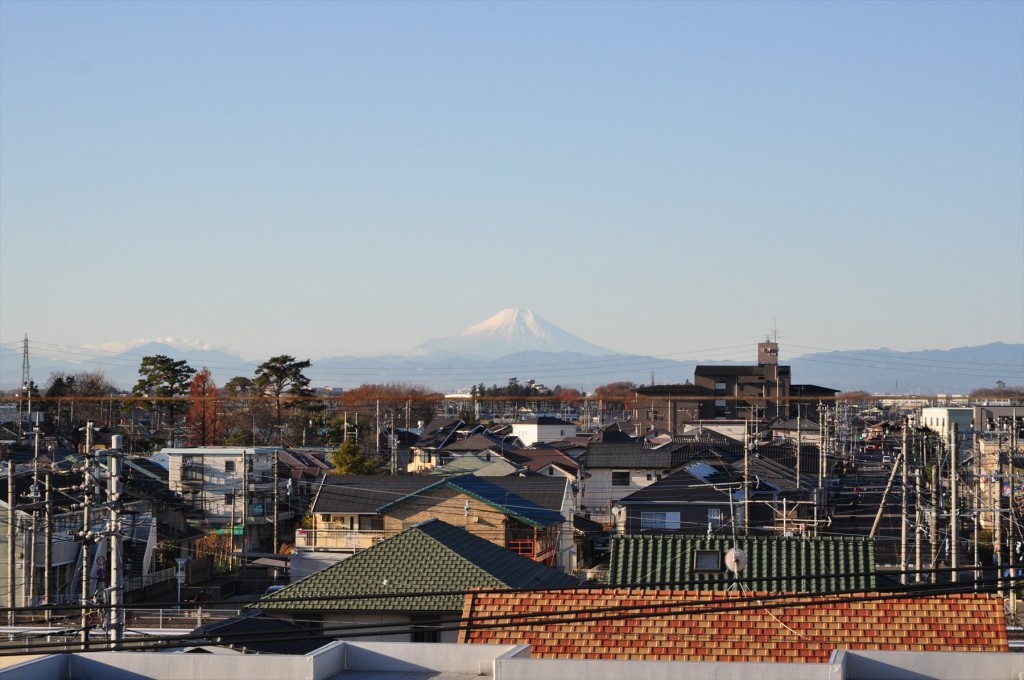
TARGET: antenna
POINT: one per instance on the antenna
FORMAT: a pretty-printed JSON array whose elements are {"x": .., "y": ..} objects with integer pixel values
[{"x": 735, "y": 561}]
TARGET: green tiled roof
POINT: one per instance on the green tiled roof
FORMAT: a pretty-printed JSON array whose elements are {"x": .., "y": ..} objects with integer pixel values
[
  {"x": 431, "y": 557},
  {"x": 813, "y": 565}
]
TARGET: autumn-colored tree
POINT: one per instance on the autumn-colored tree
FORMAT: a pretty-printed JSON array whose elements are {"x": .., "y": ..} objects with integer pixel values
[
  {"x": 216, "y": 546},
  {"x": 397, "y": 401},
  {"x": 203, "y": 424},
  {"x": 623, "y": 392},
  {"x": 855, "y": 395},
  {"x": 569, "y": 395},
  {"x": 1000, "y": 391},
  {"x": 349, "y": 459}
]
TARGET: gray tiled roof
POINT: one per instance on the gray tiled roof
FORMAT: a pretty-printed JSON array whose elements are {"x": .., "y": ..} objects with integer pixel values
[
  {"x": 817, "y": 565},
  {"x": 434, "y": 558},
  {"x": 635, "y": 456},
  {"x": 364, "y": 493},
  {"x": 252, "y": 632},
  {"x": 496, "y": 496}
]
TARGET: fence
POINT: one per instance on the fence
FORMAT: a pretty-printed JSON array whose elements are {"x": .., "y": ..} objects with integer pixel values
[
  {"x": 149, "y": 579},
  {"x": 175, "y": 617}
]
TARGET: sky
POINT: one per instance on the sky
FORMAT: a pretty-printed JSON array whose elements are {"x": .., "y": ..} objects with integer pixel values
[{"x": 332, "y": 178}]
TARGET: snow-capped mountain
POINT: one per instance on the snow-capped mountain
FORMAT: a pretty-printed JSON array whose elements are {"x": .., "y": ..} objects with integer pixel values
[{"x": 507, "y": 332}]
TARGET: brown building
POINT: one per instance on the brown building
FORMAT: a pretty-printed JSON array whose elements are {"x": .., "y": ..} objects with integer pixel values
[{"x": 763, "y": 392}]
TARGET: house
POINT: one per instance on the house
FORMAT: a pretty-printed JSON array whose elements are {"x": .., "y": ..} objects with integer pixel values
[
  {"x": 730, "y": 626},
  {"x": 543, "y": 429},
  {"x": 772, "y": 563},
  {"x": 432, "y": 438},
  {"x": 490, "y": 465},
  {"x": 343, "y": 518},
  {"x": 488, "y": 510},
  {"x": 351, "y": 513},
  {"x": 707, "y": 494},
  {"x": 545, "y": 461},
  {"x": 612, "y": 471},
  {"x": 413, "y": 579}
]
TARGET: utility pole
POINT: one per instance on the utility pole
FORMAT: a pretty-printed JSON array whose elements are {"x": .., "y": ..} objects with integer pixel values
[
  {"x": 86, "y": 492},
  {"x": 885, "y": 495},
  {"x": 746, "y": 478},
  {"x": 233, "y": 492},
  {"x": 245, "y": 500},
  {"x": 11, "y": 518},
  {"x": 917, "y": 524},
  {"x": 116, "y": 612},
  {"x": 276, "y": 453},
  {"x": 903, "y": 506},
  {"x": 394, "y": 446},
  {"x": 48, "y": 549},
  {"x": 34, "y": 494},
  {"x": 798, "y": 450},
  {"x": 1011, "y": 515},
  {"x": 954, "y": 513},
  {"x": 933, "y": 537}
]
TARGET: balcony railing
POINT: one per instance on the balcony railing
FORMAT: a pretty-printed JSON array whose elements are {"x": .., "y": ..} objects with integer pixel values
[{"x": 336, "y": 539}]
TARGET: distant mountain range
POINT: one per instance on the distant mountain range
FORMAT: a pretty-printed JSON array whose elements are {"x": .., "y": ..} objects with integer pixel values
[{"x": 518, "y": 343}]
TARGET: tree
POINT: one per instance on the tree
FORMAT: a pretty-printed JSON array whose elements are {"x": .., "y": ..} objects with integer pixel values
[
  {"x": 203, "y": 422},
  {"x": 623, "y": 392},
  {"x": 349, "y": 459},
  {"x": 248, "y": 419},
  {"x": 74, "y": 399},
  {"x": 163, "y": 381},
  {"x": 280, "y": 376},
  {"x": 396, "y": 401}
]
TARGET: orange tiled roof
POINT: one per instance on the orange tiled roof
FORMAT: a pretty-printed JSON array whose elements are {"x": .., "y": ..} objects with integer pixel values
[{"x": 732, "y": 626}]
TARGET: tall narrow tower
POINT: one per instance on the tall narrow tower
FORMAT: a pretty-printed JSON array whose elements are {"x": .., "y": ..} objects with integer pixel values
[{"x": 26, "y": 380}]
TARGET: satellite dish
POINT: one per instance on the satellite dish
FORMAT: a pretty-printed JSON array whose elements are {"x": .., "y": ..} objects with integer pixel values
[{"x": 735, "y": 560}]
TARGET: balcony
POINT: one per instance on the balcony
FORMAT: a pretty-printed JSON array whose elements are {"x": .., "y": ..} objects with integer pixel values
[
  {"x": 343, "y": 540},
  {"x": 192, "y": 477}
]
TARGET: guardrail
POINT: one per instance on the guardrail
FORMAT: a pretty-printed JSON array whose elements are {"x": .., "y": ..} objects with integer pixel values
[
  {"x": 149, "y": 579},
  {"x": 175, "y": 618},
  {"x": 337, "y": 539}
]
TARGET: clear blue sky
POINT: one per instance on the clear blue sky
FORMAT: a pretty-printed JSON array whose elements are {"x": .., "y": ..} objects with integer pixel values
[{"x": 329, "y": 178}]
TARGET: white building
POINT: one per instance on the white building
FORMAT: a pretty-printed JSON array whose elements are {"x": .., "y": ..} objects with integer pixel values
[
  {"x": 941, "y": 419},
  {"x": 231, "y": 485},
  {"x": 543, "y": 429}
]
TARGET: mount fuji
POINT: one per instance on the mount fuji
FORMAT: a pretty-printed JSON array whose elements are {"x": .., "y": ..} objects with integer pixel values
[{"x": 508, "y": 332}]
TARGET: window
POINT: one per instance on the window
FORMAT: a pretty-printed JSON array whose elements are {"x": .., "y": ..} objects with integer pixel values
[
  {"x": 719, "y": 385},
  {"x": 620, "y": 477},
  {"x": 659, "y": 521},
  {"x": 229, "y": 466},
  {"x": 371, "y": 523},
  {"x": 714, "y": 518},
  {"x": 707, "y": 560},
  {"x": 229, "y": 499},
  {"x": 719, "y": 403}
]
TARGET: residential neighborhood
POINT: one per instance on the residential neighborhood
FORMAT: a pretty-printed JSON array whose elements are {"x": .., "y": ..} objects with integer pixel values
[{"x": 789, "y": 524}]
